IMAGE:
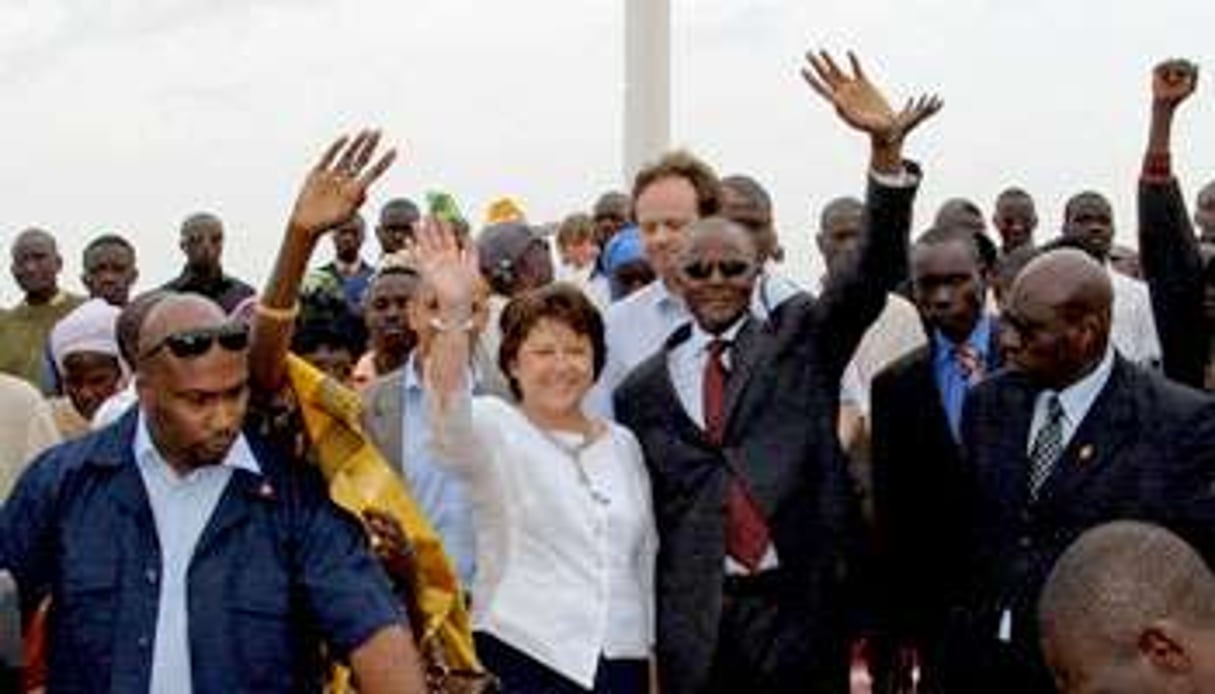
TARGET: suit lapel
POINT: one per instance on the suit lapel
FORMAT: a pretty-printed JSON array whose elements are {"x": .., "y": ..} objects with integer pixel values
[
  {"x": 1098, "y": 437},
  {"x": 924, "y": 382},
  {"x": 1015, "y": 415},
  {"x": 744, "y": 358},
  {"x": 666, "y": 398}
]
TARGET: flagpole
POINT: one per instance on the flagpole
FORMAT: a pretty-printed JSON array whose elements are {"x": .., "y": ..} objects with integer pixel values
[{"x": 647, "y": 84}]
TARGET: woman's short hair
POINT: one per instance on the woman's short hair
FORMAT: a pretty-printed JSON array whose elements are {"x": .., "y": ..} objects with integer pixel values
[
  {"x": 560, "y": 302},
  {"x": 575, "y": 228}
]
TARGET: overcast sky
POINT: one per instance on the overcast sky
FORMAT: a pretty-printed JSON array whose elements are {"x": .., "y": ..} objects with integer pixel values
[{"x": 126, "y": 115}]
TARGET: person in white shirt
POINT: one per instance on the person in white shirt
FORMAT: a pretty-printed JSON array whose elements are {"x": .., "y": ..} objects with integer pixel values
[
  {"x": 566, "y": 542},
  {"x": 668, "y": 195},
  {"x": 578, "y": 254},
  {"x": 1088, "y": 220}
]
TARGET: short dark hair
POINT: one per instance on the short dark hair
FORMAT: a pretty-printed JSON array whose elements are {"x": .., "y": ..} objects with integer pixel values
[
  {"x": 749, "y": 188},
  {"x": 1083, "y": 196},
  {"x": 326, "y": 321},
  {"x": 561, "y": 302},
  {"x": 403, "y": 206},
  {"x": 1013, "y": 192},
  {"x": 198, "y": 218},
  {"x": 107, "y": 240},
  {"x": 682, "y": 164},
  {"x": 1077, "y": 243},
  {"x": 985, "y": 251},
  {"x": 611, "y": 202},
  {"x": 837, "y": 205},
  {"x": 575, "y": 228}
]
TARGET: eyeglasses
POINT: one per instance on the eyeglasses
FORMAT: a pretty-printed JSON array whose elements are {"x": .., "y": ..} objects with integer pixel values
[
  {"x": 189, "y": 344},
  {"x": 728, "y": 269}
]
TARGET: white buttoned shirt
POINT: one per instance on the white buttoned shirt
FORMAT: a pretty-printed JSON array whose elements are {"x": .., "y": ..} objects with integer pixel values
[
  {"x": 565, "y": 540},
  {"x": 181, "y": 508}
]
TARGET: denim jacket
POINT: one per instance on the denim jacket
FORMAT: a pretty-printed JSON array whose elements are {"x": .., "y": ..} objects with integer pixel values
[{"x": 278, "y": 570}]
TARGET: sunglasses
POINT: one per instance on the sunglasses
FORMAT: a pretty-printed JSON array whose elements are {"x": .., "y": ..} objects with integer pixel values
[
  {"x": 189, "y": 344},
  {"x": 728, "y": 269}
]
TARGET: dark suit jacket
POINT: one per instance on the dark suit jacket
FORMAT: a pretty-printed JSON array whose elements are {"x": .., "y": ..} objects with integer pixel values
[
  {"x": 1146, "y": 451},
  {"x": 1173, "y": 268},
  {"x": 781, "y": 406},
  {"x": 919, "y": 486}
]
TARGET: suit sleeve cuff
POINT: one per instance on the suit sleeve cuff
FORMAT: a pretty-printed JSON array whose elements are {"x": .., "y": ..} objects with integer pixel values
[{"x": 907, "y": 177}]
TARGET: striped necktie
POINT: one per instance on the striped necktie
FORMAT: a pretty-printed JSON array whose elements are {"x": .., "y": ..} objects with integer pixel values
[{"x": 1047, "y": 446}]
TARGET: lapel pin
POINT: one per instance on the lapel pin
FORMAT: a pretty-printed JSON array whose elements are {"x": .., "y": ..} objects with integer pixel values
[
  {"x": 1086, "y": 452},
  {"x": 265, "y": 491}
]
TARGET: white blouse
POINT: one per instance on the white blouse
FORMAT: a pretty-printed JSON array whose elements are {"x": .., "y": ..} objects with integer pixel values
[{"x": 565, "y": 537}]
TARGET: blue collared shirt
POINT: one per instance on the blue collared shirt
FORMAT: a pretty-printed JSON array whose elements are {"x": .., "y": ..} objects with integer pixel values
[
  {"x": 439, "y": 492},
  {"x": 952, "y": 384},
  {"x": 277, "y": 567}
]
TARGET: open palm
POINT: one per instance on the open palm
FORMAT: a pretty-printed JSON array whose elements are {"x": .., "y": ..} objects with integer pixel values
[
  {"x": 449, "y": 269},
  {"x": 337, "y": 186},
  {"x": 860, "y": 103}
]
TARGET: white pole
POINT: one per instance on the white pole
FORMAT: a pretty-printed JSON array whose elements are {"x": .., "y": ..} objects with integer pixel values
[{"x": 647, "y": 86}]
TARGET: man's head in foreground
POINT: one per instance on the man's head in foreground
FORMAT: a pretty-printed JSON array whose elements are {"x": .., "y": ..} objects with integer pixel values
[
  {"x": 192, "y": 380},
  {"x": 1130, "y": 609}
]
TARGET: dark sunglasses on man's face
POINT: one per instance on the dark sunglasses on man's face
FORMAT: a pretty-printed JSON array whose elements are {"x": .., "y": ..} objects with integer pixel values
[
  {"x": 728, "y": 269},
  {"x": 189, "y": 344}
]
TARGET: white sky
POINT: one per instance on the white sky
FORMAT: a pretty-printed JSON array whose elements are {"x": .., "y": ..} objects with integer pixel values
[{"x": 126, "y": 115}]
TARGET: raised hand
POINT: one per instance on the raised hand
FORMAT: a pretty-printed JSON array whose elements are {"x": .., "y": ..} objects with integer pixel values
[
  {"x": 916, "y": 111},
  {"x": 861, "y": 104},
  {"x": 451, "y": 270},
  {"x": 337, "y": 186},
  {"x": 1173, "y": 81}
]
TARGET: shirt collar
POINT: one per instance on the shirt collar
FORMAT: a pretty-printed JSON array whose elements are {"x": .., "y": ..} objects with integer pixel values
[
  {"x": 239, "y": 456},
  {"x": 665, "y": 299},
  {"x": 345, "y": 268},
  {"x": 411, "y": 379},
  {"x": 979, "y": 339},
  {"x": 60, "y": 297},
  {"x": 1078, "y": 398},
  {"x": 701, "y": 338}
]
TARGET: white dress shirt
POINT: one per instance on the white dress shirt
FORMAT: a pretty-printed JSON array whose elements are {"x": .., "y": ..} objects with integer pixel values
[
  {"x": 1133, "y": 326},
  {"x": 637, "y": 326},
  {"x": 686, "y": 365},
  {"x": 1076, "y": 399},
  {"x": 565, "y": 535},
  {"x": 181, "y": 507}
]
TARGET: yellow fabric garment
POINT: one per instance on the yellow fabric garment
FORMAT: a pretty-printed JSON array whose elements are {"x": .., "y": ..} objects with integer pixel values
[{"x": 359, "y": 478}]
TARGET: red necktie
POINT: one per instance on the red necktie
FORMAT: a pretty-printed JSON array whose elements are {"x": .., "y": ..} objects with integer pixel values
[{"x": 746, "y": 530}]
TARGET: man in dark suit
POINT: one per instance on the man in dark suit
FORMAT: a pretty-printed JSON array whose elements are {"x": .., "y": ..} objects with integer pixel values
[
  {"x": 1176, "y": 265},
  {"x": 1073, "y": 436},
  {"x": 919, "y": 482},
  {"x": 740, "y": 415}
]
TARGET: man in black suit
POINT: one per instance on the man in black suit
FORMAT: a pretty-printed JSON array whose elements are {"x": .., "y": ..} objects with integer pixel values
[
  {"x": 919, "y": 482},
  {"x": 1176, "y": 265},
  {"x": 740, "y": 415},
  {"x": 1073, "y": 436}
]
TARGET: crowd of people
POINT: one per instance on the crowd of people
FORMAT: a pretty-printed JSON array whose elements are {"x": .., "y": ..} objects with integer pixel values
[{"x": 642, "y": 460}]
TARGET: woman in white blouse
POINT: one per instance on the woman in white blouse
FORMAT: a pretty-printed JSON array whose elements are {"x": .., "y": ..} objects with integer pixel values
[{"x": 563, "y": 595}]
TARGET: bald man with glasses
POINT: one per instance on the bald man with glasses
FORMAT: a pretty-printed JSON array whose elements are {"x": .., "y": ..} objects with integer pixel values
[{"x": 184, "y": 553}]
